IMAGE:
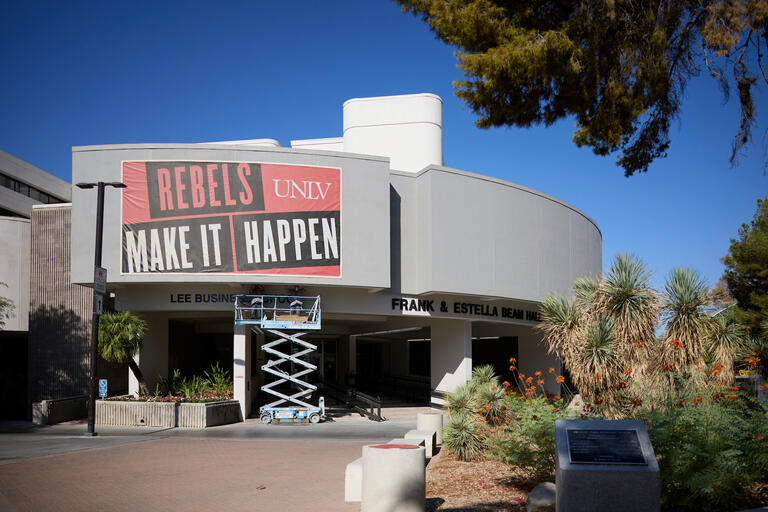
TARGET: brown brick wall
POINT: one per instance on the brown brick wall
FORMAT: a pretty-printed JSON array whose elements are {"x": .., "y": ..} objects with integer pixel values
[{"x": 60, "y": 314}]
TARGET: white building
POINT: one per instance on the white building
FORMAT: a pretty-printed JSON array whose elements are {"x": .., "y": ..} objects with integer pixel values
[{"x": 423, "y": 270}]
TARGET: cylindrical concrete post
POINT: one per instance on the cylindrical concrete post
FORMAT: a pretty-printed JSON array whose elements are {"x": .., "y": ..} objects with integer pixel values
[
  {"x": 432, "y": 420},
  {"x": 394, "y": 478}
]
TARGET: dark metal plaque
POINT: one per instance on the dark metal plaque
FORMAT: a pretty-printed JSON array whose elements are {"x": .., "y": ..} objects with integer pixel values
[{"x": 605, "y": 447}]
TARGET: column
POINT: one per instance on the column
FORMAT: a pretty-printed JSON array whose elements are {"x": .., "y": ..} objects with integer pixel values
[
  {"x": 450, "y": 355},
  {"x": 241, "y": 371},
  {"x": 352, "y": 361},
  {"x": 152, "y": 359}
]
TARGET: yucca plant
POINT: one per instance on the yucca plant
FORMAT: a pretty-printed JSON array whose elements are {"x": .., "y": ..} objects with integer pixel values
[
  {"x": 121, "y": 335},
  {"x": 460, "y": 402},
  {"x": 685, "y": 314},
  {"x": 489, "y": 402},
  {"x": 725, "y": 339},
  {"x": 560, "y": 323},
  {"x": 605, "y": 335},
  {"x": 462, "y": 437},
  {"x": 627, "y": 298},
  {"x": 484, "y": 375}
]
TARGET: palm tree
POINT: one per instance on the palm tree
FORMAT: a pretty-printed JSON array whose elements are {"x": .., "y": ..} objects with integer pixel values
[{"x": 121, "y": 335}]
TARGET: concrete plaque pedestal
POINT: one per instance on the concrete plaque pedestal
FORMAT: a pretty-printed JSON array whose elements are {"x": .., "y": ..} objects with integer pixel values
[{"x": 605, "y": 465}]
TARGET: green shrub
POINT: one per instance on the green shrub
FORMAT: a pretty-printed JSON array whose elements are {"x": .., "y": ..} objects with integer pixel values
[
  {"x": 194, "y": 386},
  {"x": 463, "y": 438},
  {"x": 712, "y": 449},
  {"x": 219, "y": 379},
  {"x": 527, "y": 441},
  {"x": 169, "y": 386}
]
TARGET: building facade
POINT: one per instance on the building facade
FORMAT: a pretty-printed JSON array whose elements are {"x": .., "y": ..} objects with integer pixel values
[
  {"x": 424, "y": 271},
  {"x": 22, "y": 186}
]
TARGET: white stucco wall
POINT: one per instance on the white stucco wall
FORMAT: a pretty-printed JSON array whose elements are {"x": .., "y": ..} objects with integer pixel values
[{"x": 14, "y": 270}]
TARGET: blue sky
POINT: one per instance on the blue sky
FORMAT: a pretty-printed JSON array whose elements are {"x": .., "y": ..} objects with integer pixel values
[{"x": 83, "y": 73}]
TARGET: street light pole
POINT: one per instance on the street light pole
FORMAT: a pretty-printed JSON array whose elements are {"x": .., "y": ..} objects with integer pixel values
[{"x": 96, "y": 314}]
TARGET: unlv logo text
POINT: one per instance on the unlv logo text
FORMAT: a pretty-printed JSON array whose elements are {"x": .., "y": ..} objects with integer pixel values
[{"x": 305, "y": 189}]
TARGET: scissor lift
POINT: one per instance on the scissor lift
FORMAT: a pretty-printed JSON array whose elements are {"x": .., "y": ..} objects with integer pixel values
[{"x": 276, "y": 314}]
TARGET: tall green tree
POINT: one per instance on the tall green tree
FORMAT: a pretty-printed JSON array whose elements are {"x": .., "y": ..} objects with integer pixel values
[
  {"x": 746, "y": 269},
  {"x": 619, "y": 67},
  {"x": 121, "y": 335}
]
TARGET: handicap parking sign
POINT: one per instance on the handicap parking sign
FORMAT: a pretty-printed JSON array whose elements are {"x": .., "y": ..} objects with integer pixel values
[{"x": 102, "y": 388}]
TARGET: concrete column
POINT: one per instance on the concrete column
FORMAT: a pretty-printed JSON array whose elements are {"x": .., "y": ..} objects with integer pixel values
[
  {"x": 450, "y": 354},
  {"x": 153, "y": 356},
  {"x": 352, "y": 354},
  {"x": 242, "y": 368}
]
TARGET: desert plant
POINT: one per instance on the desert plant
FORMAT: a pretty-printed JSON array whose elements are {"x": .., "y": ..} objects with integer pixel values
[
  {"x": 725, "y": 338},
  {"x": 460, "y": 401},
  {"x": 684, "y": 310},
  {"x": 605, "y": 334},
  {"x": 462, "y": 436}
]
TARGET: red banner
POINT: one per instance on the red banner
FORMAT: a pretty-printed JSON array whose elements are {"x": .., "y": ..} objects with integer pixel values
[{"x": 231, "y": 217}]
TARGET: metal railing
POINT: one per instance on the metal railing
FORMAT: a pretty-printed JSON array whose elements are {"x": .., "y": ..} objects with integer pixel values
[
  {"x": 371, "y": 402},
  {"x": 278, "y": 311}
]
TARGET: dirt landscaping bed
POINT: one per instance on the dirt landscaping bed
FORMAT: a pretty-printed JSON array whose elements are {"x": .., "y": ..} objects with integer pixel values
[{"x": 458, "y": 486}]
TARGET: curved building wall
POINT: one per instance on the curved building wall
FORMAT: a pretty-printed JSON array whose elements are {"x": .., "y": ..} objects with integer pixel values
[{"x": 464, "y": 233}]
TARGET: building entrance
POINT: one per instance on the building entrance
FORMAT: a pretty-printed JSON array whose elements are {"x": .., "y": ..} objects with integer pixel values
[{"x": 196, "y": 344}]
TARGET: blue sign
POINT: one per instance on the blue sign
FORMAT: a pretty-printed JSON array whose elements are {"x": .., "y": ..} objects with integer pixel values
[{"x": 102, "y": 388}]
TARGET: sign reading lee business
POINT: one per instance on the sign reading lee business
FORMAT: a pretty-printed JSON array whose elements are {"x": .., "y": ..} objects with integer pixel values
[{"x": 233, "y": 217}]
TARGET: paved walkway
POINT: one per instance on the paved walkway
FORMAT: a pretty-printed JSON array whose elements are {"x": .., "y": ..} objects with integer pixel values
[{"x": 245, "y": 466}]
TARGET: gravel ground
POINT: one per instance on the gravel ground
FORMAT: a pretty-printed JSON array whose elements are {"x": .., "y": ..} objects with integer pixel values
[{"x": 458, "y": 486}]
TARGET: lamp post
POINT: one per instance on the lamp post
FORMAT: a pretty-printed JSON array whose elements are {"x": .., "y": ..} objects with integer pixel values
[{"x": 95, "y": 323}]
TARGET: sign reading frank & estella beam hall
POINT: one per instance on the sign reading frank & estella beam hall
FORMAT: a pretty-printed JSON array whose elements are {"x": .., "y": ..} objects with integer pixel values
[{"x": 233, "y": 217}]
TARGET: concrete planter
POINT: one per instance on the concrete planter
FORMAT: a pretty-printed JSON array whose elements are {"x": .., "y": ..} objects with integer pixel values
[
  {"x": 166, "y": 414},
  {"x": 131, "y": 414},
  {"x": 208, "y": 414},
  {"x": 49, "y": 412}
]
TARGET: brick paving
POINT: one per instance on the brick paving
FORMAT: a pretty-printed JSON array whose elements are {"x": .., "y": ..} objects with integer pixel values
[{"x": 184, "y": 474}]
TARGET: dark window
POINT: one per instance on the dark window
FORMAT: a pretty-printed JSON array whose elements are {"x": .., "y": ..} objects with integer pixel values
[
  {"x": 418, "y": 357},
  {"x": 22, "y": 188}
]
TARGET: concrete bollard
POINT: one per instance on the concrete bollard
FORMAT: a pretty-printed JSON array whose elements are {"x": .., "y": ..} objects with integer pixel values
[
  {"x": 353, "y": 481},
  {"x": 394, "y": 478},
  {"x": 432, "y": 420},
  {"x": 428, "y": 436}
]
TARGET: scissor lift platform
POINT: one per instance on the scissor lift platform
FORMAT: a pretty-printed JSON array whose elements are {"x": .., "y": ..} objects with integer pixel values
[{"x": 275, "y": 314}]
